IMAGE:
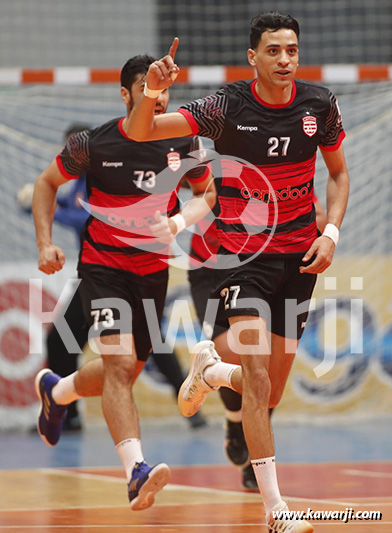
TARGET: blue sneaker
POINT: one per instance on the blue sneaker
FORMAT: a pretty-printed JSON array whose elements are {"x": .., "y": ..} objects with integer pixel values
[
  {"x": 51, "y": 414},
  {"x": 145, "y": 483}
]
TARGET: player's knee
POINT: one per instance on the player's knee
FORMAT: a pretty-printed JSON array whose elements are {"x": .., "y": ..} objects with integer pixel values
[{"x": 120, "y": 368}]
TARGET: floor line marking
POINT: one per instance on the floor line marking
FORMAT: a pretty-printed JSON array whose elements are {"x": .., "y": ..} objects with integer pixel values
[
  {"x": 169, "y": 487},
  {"x": 173, "y": 486},
  {"x": 366, "y": 473},
  {"x": 84, "y": 475},
  {"x": 334, "y": 502},
  {"x": 193, "y": 504}
]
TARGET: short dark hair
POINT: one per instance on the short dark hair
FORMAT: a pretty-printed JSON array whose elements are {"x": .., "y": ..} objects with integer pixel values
[
  {"x": 134, "y": 66},
  {"x": 272, "y": 21},
  {"x": 76, "y": 127}
]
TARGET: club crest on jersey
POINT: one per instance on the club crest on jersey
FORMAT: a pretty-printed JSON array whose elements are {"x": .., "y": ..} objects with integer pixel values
[
  {"x": 173, "y": 161},
  {"x": 309, "y": 125}
]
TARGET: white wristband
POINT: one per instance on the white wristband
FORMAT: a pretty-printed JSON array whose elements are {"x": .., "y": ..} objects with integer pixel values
[
  {"x": 179, "y": 221},
  {"x": 151, "y": 93},
  {"x": 332, "y": 232}
]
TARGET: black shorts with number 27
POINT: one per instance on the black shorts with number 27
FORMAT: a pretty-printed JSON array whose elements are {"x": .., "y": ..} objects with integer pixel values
[{"x": 268, "y": 286}]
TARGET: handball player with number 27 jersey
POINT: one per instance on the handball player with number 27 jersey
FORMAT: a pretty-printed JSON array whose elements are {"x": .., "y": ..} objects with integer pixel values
[{"x": 270, "y": 251}]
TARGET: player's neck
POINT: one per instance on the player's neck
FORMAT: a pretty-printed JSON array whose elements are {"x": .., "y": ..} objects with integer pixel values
[
  {"x": 274, "y": 95},
  {"x": 125, "y": 121}
]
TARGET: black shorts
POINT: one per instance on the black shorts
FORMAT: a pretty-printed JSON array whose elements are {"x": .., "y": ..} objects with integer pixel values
[
  {"x": 273, "y": 287},
  {"x": 130, "y": 290},
  {"x": 201, "y": 281}
]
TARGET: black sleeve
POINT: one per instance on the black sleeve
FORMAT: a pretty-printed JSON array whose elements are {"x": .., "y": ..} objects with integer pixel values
[
  {"x": 75, "y": 156},
  {"x": 209, "y": 113},
  {"x": 334, "y": 131},
  {"x": 197, "y": 150}
]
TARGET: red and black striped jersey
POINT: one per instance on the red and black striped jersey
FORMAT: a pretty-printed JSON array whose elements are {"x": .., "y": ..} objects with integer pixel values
[
  {"x": 204, "y": 245},
  {"x": 127, "y": 182},
  {"x": 267, "y": 163}
]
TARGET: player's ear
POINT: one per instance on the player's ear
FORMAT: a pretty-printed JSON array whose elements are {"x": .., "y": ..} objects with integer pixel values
[
  {"x": 251, "y": 57},
  {"x": 125, "y": 96}
]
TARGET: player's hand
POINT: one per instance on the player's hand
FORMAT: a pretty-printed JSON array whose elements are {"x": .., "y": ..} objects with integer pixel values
[
  {"x": 163, "y": 72},
  {"x": 322, "y": 250},
  {"x": 163, "y": 228},
  {"x": 51, "y": 259}
]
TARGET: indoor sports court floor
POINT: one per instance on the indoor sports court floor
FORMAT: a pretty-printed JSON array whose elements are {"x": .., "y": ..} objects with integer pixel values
[{"x": 79, "y": 485}]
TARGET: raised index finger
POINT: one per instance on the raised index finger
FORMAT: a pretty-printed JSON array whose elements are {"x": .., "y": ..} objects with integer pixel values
[{"x": 173, "y": 48}]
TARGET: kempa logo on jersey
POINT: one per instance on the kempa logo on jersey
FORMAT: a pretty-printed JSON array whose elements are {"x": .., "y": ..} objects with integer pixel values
[
  {"x": 282, "y": 195},
  {"x": 247, "y": 128},
  {"x": 114, "y": 164}
]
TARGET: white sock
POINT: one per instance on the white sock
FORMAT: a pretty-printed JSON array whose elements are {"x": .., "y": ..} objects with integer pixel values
[
  {"x": 64, "y": 391},
  {"x": 130, "y": 452},
  {"x": 233, "y": 416},
  {"x": 265, "y": 472},
  {"x": 219, "y": 375}
]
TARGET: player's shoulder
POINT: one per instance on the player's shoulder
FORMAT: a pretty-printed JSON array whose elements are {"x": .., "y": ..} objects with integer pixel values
[
  {"x": 237, "y": 87},
  {"x": 309, "y": 89},
  {"x": 111, "y": 125},
  {"x": 181, "y": 143}
]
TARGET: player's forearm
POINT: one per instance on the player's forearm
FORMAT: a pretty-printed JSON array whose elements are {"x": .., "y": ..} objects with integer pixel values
[
  {"x": 198, "y": 207},
  {"x": 141, "y": 121},
  {"x": 44, "y": 207},
  {"x": 337, "y": 197}
]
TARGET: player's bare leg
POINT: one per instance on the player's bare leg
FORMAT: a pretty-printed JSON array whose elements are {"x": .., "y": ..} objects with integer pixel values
[
  {"x": 257, "y": 393},
  {"x": 282, "y": 357},
  {"x": 256, "y": 386},
  {"x": 88, "y": 380},
  {"x": 120, "y": 367}
]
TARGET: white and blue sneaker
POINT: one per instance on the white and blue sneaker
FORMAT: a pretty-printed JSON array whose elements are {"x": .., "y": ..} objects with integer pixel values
[
  {"x": 51, "y": 415},
  {"x": 145, "y": 483}
]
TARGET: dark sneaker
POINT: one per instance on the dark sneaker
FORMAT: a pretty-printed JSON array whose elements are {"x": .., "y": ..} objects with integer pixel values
[
  {"x": 50, "y": 418},
  {"x": 145, "y": 483},
  {"x": 249, "y": 478},
  {"x": 235, "y": 445}
]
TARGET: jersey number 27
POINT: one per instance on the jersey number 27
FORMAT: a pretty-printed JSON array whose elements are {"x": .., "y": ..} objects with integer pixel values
[{"x": 276, "y": 149}]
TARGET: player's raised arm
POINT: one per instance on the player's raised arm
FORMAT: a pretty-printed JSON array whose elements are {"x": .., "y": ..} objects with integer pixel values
[{"x": 143, "y": 125}]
